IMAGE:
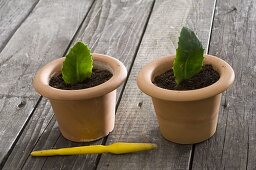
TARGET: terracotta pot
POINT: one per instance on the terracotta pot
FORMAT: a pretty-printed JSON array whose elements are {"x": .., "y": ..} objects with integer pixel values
[
  {"x": 191, "y": 116},
  {"x": 86, "y": 114}
]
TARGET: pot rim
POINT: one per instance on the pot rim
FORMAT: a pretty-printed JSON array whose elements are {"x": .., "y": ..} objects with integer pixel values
[
  {"x": 147, "y": 74},
  {"x": 43, "y": 75}
]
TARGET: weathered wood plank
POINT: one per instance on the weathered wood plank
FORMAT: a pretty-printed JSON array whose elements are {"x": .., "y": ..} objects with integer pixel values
[
  {"x": 114, "y": 28},
  {"x": 234, "y": 39},
  {"x": 35, "y": 127},
  {"x": 136, "y": 121},
  {"x": 44, "y": 35},
  {"x": 12, "y": 15},
  {"x": 109, "y": 36}
]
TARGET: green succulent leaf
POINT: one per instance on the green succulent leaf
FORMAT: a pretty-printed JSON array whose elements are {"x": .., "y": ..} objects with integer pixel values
[
  {"x": 189, "y": 56},
  {"x": 78, "y": 64}
]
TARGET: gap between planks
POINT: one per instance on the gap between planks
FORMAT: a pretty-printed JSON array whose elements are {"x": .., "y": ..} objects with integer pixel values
[
  {"x": 128, "y": 75},
  {"x": 207, "y": 52}
]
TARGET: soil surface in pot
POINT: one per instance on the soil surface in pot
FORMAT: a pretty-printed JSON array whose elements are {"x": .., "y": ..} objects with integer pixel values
[
  {"x": 204, "y": 78},
  {"x": 98, "y": 77}
]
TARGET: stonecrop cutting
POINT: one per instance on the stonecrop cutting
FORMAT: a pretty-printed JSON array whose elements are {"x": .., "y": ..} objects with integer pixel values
[
  {"x": 189, "y": 56},
  {"x": 78, "y": 64}
]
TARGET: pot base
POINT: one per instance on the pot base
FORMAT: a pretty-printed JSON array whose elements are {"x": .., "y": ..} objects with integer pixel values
[
  {"x": 187, "y": 122},
  {"x": 85, "y": 140},
  {"x": 86, "y": 120},
  {"x": 187, "y": 141}
]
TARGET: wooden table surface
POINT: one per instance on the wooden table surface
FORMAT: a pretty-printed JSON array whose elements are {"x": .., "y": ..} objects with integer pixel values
[{"x": 34, "y": 32}]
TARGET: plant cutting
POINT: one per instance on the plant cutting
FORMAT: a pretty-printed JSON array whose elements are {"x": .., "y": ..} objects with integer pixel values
[
  {"x": 81, "y": 88},
  {"x": 186, "y": 90}
]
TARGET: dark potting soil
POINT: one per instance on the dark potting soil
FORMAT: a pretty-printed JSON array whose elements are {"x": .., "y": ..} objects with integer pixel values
[
  {"x": 98, "y": 77},
  {"x": 204, "y": 78}
]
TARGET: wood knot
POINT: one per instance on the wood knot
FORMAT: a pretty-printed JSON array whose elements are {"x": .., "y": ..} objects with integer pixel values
[
  {"x": 233, "y": 9},
  {"x": 225, "y": 104},
  {"x": 140, "y": 104},
  {"x": 22, "y": 104}
]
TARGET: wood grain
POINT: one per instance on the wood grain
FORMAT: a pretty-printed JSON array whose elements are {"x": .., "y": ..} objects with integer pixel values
[
  {"x": 44, "y": 35},
  {"x": 35, "y": 127},
  {"x": 136, "y": 120},
  {"x": 105, "y": 35},
  {"x": 233, "y": 39},
  {"x": 12, "y": 15},
  {"x": 112, "y": 27}
]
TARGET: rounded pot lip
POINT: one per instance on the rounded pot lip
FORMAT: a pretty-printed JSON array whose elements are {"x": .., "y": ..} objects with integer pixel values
[
  {"x": 148, "y": 72},
  {"x": 43, "y": 75}
]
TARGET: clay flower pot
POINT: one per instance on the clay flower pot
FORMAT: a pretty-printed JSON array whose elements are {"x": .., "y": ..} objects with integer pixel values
[
  {"x": 191, "y": 116},
  {"x": 86, "y": 114}
]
